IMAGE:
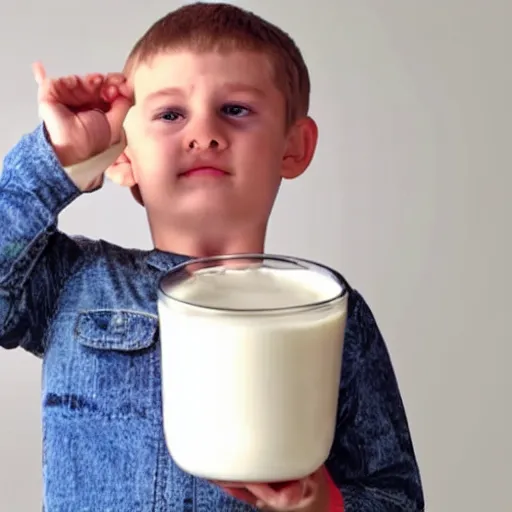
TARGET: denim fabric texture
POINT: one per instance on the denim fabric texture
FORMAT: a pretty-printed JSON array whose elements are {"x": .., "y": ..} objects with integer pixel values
[{"x": 88, "y": 310}]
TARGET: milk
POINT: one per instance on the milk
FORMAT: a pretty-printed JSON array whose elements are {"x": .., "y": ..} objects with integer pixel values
[{"x": 251, "y": 395}]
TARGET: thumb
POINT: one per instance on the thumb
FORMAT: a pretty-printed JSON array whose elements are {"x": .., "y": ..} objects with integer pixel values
[
  {"x": 39, "y": 72},
  {"x": 42, "y": 81},
  {"x": 116, "y": 116}
]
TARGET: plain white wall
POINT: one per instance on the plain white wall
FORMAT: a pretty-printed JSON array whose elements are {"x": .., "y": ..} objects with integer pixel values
[{"x": 408, "y": 197}]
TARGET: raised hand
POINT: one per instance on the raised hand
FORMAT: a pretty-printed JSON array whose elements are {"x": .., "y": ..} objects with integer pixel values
[{"x": 83, "y": 115}]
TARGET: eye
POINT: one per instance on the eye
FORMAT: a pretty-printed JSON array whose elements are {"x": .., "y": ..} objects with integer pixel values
[
  {"x": 235, "y": 110},
  {"x": 169, "y": 116}
]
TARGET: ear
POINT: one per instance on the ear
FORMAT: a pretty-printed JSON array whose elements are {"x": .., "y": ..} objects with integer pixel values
[
  {"x": 300, "y": 148},
  {"x": 135, "y": 190}
]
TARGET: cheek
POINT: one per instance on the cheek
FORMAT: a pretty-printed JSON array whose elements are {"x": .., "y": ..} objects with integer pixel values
[
  {"x": 152, "y": 156},
  {"x": 270, "y": 158},
  {"x": 147, "y": 173},
  {"x": 266, "y": 146},
  {"x": 263, "y": 163}
]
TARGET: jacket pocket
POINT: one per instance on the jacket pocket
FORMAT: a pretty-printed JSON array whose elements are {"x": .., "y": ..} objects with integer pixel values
[
  {"x": 117, "y": 330},
  {"x": 110, "y": 370}
]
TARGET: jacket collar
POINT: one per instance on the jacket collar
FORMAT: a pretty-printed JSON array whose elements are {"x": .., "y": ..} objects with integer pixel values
[{"x": 165, "y": 261}]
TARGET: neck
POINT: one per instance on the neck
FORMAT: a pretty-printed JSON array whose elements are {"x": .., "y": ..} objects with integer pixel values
[{"x": 212, "y": 243}]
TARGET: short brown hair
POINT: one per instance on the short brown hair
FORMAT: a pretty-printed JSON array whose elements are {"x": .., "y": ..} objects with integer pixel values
[{"x": 223, "y": 27}]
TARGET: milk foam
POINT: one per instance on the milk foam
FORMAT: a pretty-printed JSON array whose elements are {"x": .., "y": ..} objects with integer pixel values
[{"x": 256, "y": 288}]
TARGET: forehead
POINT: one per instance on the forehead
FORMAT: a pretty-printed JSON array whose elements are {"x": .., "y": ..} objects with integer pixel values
[{"x": 189, "y": 71}]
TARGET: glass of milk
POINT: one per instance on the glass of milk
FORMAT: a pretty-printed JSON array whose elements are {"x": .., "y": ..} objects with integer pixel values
[{"x": 251, "y": 349}]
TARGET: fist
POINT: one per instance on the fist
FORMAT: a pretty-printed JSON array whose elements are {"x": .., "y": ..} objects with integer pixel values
[{"x": 83, "y": 115}]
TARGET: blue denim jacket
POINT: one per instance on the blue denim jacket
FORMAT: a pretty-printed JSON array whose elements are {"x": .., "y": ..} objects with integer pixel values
[{"x": 88, "y": 309}]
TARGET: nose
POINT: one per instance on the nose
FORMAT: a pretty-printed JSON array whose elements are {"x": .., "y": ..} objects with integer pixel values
[
  {"x": 194, "y": 144},
  {"x": 205, "y": 134}
]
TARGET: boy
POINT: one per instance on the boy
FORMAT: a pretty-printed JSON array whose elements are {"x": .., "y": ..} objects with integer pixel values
[{"x": 218, "y": 102}]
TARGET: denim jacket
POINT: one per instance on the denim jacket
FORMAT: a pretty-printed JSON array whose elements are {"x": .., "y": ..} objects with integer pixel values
[{"x": 88, "y": 310}]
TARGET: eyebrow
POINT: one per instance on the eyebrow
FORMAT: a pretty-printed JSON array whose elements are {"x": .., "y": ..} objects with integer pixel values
[
  {"x": 241, "y": 87},
  {"x": 162, "y": 93},
  {"x": 231, "y": 87}
]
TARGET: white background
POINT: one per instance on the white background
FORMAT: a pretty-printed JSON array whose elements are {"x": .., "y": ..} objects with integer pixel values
[{"x": 409, "y": 197}]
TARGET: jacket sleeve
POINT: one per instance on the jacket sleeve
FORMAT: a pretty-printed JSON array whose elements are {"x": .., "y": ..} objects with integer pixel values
[
  {"x": 372, "y": 461},
  {"x": 35, "y": 258}
]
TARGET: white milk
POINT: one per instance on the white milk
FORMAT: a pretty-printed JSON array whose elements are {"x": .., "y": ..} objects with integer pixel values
[{"x": 251, "y": 396}]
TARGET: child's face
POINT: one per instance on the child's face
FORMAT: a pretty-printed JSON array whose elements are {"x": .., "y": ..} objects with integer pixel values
[{"x": 210, "y": 110}]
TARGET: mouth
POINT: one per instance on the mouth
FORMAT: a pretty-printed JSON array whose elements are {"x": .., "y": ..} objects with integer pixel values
[{"x": 213, "y": 172}]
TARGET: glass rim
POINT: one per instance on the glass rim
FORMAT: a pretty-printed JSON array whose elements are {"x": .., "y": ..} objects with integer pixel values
[{"x": 298, "y": 262}]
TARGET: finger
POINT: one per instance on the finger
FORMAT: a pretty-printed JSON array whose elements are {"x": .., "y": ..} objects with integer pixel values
[
  {"x": 44, "y": 85},
  {"x": 72, "y": 90},
  {"x": 264, "y": 493},
  {"x": 87, "y": 89},
  {"x": 68, "y": 85},
  {"x": 116, "y": 116},
  {"x": 93, "y": 81},
  {"x": 115, "y": 78},
  {"x": 62, "y": 91},
  {"x": 39, "y": 72},
  {"x": 282, "y": 498},
  {"x": 109, "y": 92},
  {"x": 126, "y": 90},
  {"x": 112, "y": 86},
  {"x": 76, "y": 94}
]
